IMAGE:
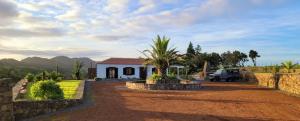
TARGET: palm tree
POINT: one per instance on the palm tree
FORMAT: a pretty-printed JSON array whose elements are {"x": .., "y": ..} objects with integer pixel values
[
  {"x": 77, "y": 69},
  {"x": 288, "y": 65},
  {"x": 253, "y": 55},
  {"x": 160, "y": 55}
]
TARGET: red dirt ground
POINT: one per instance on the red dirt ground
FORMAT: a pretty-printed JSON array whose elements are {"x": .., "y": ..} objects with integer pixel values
[{"x": 215, "y": 102}]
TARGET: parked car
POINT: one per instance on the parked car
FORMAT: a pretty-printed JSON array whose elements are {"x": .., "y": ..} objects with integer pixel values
[{"x": 227, "y": 75}]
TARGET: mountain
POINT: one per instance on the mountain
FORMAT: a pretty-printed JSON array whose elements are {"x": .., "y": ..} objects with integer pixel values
[{"x": 38, "y": 64}]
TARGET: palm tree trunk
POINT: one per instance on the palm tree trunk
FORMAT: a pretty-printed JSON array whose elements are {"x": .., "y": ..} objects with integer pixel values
[{"x": 163, "y": 73}]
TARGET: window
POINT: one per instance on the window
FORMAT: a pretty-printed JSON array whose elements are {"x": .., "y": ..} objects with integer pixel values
[{"x": 128, "y": 71}]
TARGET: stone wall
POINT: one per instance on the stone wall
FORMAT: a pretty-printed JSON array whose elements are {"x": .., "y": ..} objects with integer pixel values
[
  {"x": 143, "y": 86},
  {"x": 289, "y": 83},
  {"x": 6, "y": 104},
  {"x": 266, "y": 79},
  {"x": 27, "y": 108}
]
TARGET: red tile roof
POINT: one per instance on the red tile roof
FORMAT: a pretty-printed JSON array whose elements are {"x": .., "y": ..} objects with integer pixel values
[{"x": 123, "y": 61}]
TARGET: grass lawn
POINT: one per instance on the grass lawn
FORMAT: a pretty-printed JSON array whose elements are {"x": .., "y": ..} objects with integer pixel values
[{"x": 69, "y": 88}]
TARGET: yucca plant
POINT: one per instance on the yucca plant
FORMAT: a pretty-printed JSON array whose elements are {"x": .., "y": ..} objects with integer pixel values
[
  {"x": 160, "y": 55},
  {"x": 288, "y": 65}
]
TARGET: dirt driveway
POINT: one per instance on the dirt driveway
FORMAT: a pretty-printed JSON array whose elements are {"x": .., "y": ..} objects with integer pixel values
[{"x": 215, "y": 102}]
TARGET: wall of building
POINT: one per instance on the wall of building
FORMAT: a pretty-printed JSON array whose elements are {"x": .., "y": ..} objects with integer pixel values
[{"x": 101, "y": 70}]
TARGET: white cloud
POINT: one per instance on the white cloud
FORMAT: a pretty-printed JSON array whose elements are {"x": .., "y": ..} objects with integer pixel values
[
  {"x": 116, "y": 7},
  {"x": 70, "y": 15}
]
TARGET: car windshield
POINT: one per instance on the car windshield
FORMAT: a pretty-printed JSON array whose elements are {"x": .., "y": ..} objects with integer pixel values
[{"x": 219, "y": 71}]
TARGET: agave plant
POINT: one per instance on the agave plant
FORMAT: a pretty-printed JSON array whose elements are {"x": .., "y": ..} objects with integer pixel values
[
  {"x": 288, "y": 65},
  {"x": 160, "y": 55}
]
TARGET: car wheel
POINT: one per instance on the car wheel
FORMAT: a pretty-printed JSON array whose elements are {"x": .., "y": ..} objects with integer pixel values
[{"x": 217, "y": 79}]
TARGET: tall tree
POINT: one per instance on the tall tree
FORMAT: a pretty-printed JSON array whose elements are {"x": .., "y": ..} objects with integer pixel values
[
  {"x": 190, "y": 52},
  {"x": 198, "y": 50},
  {"x": 253, "y": 55},
  {"x": 243, "y": 58},
  {"x": 190, "y": 58},
  {"x": 160, "y": 55},
  {"x": 77, "y": 69}
]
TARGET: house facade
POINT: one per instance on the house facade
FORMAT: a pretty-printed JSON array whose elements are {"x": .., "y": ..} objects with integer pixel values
[{"x": 127, "y": 68}]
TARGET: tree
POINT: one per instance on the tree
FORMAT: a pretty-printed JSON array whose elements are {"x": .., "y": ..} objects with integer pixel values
[
  {"x": 288, "y": 65},
  {"x": 198, "y": 50},
  {"x": 190, "y": 52},
  {"x": 253, "y": 55},
  {"x": 160, "y": 55},
  {"x": 29, "y": 77},
  {"x": 77, "y": 70},
  {"x": 244, "y": 59}
]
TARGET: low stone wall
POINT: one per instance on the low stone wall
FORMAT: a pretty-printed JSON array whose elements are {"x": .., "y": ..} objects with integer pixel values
[
  {"x": 27, "y": 108},
  {"x": 289, "y": 83},
  {"x": 143, "y": 86},
  {"x": 6, "y": 104},
  {"x": 266, "y": 79}
]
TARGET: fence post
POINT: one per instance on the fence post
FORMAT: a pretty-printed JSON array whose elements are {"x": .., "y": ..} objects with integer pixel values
[{"x": 6, "y": 103}]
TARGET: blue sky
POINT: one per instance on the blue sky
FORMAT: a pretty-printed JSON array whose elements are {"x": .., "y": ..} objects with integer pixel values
[{"x": 121, "y": 28}]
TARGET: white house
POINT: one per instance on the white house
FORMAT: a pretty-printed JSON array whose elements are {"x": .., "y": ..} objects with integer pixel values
[{"x": 127, "y": 68}]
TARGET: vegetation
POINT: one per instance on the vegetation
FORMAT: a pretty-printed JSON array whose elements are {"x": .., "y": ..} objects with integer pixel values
[
  {"x": 29, "y": 77},
  {"x": 11, "y": 68},
  {"x": 194, "y": 59},
  {"x": 158, "y": 79},
  {"x": 288, "y": 66},
  {"x": 54, "y": 76},
  {"x": 161, "y": 56},
  {"x": 253, "y": 55},
  {"x": 275, "y": 69},
  {"x": 43, "y": 90},
  {"x": 77, "y": 70}
]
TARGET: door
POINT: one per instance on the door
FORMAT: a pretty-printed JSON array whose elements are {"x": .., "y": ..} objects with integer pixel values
[
  {"x": 143, "y": 73},
  {"x": 111, "y": 72}
]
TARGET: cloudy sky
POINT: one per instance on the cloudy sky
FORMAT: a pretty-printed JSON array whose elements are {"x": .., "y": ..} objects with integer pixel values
[{"x": 121, "y": 28}]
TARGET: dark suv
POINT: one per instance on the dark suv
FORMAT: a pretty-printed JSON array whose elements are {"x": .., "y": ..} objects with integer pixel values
[{"x": 227, "y": 75}]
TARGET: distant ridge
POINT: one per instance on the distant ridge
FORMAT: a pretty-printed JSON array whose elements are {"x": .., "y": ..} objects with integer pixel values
[{"x": 36, "y": 64}]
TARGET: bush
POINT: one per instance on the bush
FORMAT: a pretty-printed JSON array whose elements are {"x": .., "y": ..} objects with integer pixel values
[
  {"x": 55, "y": 76},
  {"x": 38, "y": 77},
  {"x": 43, "y": 90},
  {"x": 29, "y": 77},
  {"x": 156, "y": 77}
]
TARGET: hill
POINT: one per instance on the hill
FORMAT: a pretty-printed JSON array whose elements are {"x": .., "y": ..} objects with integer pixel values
[{"x": 12, "y": 67}]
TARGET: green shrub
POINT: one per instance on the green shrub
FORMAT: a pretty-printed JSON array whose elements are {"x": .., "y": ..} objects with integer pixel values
[
  {"x": 55, "y": 76},
  {"x": 29, "y": 77},
  {"x": 43, "y": 90},
  {"x": 38, "y": 77},
  {"x": 155, "y": 77}
]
